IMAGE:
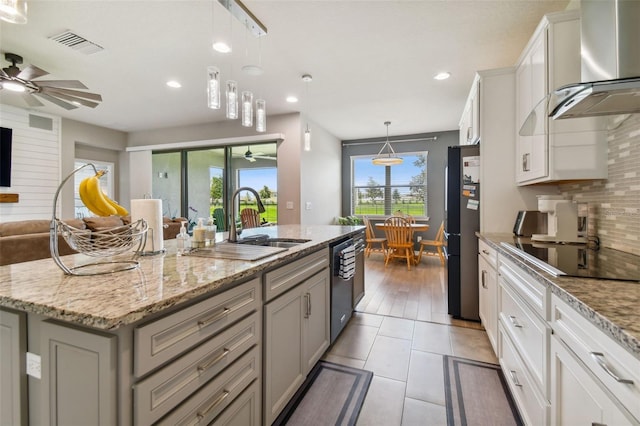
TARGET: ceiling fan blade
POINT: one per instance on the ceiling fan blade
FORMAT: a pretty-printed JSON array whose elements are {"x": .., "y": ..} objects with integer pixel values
[
  {"x": 69, "y": 84},
  {"x": 72, "y": 99},
  {"x": 264, "y": 157},
  {"x": 3, "y": 74},
  {"x": 59, "y": 102},
  {"x": 31, "y": 100},
  {"x": 75, "y": 93},
  {"x": 31, "y": 72}
]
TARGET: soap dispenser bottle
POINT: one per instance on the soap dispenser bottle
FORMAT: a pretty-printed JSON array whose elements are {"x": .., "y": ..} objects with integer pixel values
[
  {"x": 210, "y": 233},
  {"x": 198, "y": 234},
  {"x": 182, "y": 240}
]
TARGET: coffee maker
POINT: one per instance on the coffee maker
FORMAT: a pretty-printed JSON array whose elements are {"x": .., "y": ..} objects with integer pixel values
[{"x": 562, "y": 220}]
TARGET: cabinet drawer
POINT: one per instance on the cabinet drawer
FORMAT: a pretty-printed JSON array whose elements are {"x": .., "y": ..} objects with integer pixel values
[
  {"x": 160, "y": 341},
  {"x": 529, "y": 333},
  {"x": 488, "y": 252},
  {"x": 533, "y": 407},
  {"x": 161, "y": 392},
  {"x": 600, "y": 354},
  {"x": 244, "y": 410},
  {"x": 218, "y": 394},
  {"x": 282, "y": 279},
  {"x": 534, "y": 293}
]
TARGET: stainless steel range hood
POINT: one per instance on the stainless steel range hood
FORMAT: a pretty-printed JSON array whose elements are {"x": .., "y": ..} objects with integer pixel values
[{"x": 610, "y": 51}]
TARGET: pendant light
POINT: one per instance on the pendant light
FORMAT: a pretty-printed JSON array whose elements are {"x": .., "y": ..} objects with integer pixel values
[
  {"x": 389, "y": 158},
  {"x": 232, "y": 99},
  {"x": 261, "y": 115},
  {"x": 213, "y": 88},
  {"x": 13, "y": 11},
  {"x": 247, "y": 109},
  {"x": 307, "y": 133}
]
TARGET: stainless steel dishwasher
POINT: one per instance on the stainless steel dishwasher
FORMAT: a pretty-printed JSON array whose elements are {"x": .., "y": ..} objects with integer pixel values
[
  {"x": 341, "y": 290},
  {"x": 358, "y": 278}
]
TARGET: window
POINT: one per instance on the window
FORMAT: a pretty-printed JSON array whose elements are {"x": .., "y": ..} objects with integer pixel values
[
  {"x": 193, "y": 183},
  {"x": 106, "y": 183},
  {"x": 383, "y": 190}
]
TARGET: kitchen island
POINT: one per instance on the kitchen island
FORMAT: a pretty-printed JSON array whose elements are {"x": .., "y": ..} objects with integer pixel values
[
  {"x": 153, "y": 330},
  {"x": 568, "y": 346}
]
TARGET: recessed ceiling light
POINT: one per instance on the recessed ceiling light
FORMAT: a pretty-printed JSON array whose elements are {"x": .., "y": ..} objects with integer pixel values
[
  {"x": 222, "y": 47},
  {"x": 442, "y": 76},
  {"x": 174, "y": 84},
  {"x": 292, "y": 99}
]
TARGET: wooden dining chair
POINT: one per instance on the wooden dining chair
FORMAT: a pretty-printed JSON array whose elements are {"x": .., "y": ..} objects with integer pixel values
[
  {"x": 250, "y": 218},
  {"x": 373, "y": 243},
  {"x": 438, "y": 243},
  {"x": 399, "y": 239}
]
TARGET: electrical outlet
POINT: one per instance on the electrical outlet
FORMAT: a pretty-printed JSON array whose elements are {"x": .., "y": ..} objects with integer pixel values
[
  {"x": 308, "y": 205},
  {"x": 289, "y": 205},
  {"x": 419, "y": 238},
  {"x": 34, "y": 365}
]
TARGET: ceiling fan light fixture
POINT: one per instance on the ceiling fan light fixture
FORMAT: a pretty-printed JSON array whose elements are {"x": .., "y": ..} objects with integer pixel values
[
  {"x": 13, "y": 11},
  {"x": 261, "y": 115},
  {"x": 14, "y": 86},
  {"x": 389, "y": 158}
]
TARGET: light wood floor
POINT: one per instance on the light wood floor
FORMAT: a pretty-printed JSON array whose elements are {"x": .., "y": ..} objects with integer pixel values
[{"x": 419, "y": 294}]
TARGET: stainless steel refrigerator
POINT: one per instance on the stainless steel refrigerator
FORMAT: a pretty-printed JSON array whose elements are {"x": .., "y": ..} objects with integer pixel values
[{"x": 462, "y": 221}]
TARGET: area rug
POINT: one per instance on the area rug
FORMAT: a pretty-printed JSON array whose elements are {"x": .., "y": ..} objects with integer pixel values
[
  {"x": 332, "y": 394},
  {"x": 476, "y": 393}
]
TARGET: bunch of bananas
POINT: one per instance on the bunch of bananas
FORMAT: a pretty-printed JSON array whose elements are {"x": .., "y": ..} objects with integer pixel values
[{"x": 96, "y": 200}]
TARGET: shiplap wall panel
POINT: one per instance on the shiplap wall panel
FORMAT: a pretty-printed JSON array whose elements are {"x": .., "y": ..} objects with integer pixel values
[{"x": 35, "y": 166}]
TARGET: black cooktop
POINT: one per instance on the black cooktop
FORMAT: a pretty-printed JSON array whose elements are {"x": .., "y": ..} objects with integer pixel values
[{"x": 579, "y": 260}]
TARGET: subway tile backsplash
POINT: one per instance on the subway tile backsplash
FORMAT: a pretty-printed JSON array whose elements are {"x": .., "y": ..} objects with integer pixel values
[{"x": 614, "y": 203}]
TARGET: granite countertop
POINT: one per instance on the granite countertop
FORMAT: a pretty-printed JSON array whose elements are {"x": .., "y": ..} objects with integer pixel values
[
  {"x": 113, "y": 300},
  {"x": 610, "y": 305}
]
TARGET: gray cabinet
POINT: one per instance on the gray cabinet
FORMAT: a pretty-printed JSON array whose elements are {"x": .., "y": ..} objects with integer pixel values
[
  {"x": 296, "y": 335},
  {"x": 78, "y": 376},
  {"x": 13, "y": 381}
]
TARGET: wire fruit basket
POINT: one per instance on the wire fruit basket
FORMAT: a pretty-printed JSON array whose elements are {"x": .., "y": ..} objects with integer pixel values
[{"x": 102, "y": 243}]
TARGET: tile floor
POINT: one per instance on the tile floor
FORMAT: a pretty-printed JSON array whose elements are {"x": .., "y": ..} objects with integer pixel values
[{"x": 405, "y": 357}]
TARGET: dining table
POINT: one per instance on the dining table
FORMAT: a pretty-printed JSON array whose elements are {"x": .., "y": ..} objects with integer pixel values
[{"x": 415, "y": 227}]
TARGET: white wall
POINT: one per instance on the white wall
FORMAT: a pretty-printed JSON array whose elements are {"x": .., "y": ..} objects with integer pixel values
[
  {"x": 35, "y": 171},
  {"x": 320, "y": 177}
]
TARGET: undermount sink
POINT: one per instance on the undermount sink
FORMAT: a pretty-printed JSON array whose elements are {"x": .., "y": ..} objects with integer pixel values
[{"x": 262, "y": 240}]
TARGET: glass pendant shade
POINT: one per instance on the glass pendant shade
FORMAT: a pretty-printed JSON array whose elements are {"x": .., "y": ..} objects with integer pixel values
[
  {"x": 213, "y": 88},
  {"x": 232, "y": 100},
  {"x": 13, "y": 11},
  {"x": 261, "y": 115},
  {"x": 247, "y": 109},
  {"x": 307, "y": 139}
]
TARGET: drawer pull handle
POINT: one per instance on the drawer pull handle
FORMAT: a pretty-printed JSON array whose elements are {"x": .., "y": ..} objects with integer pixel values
[
  {"x": 485, "y": 251},
  {"x": 514, "y": 378},
  {"x": 484, "y": 279},
  {"x": 214, "y": 404},
  {"x": 598, "y": 424},
  {"x": 599, "y": 358},
  {"x": 204, "y": 367},
  {"x": 307, "y": 299},
  {"x": 214, "y": 318},
  {"x": 515, "y": 322}
]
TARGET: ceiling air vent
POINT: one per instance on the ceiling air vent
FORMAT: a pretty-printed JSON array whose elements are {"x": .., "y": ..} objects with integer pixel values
[{"x": 76, "y": 42}]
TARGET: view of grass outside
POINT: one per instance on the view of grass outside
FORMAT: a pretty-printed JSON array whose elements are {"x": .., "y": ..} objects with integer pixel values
[{"x": 384, "y": 190}]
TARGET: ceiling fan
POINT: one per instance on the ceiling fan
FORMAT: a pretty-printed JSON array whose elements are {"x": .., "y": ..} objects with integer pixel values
[
  {"x": 250, "y": 156},
  {"x": 58, "y": 92}
]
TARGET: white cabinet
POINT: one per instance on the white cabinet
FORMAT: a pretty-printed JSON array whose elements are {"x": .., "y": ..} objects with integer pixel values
[
  {"x": 488, "y": 290},
  {"x": 554, "y": 150},
  {"x": 470, "y": 120},
  {"x": 523, "y": 305},
  {"x": 593, "y": 379},
  {"x": 296, "y": 331},
  {"x": 13, "y": 380}
]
